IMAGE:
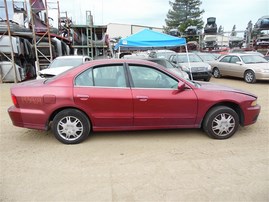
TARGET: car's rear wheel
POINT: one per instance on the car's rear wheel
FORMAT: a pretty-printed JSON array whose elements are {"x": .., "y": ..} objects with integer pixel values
[
  {"x": 221, "y": 122},
  {"x": 250, "y": 76},
  {"x": 216, "y": 72},
  {"x": 71, "y": 126}
]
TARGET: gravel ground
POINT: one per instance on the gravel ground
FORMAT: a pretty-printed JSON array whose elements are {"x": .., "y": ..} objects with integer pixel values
[{"x": 173, "y": 165}]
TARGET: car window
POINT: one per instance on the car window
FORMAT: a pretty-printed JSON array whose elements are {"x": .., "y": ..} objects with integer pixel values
[
  {"x": 63, "y": 62},
  {"x": 248, "y": 59},
  {"x": 235, "y": 59},
  {"x": 225, "y": 59},
  {"x": 105, "y": 76},
  {"x": 146, "y": 77}
]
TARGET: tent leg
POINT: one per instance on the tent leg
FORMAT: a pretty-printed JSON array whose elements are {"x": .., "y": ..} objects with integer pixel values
[{"x": 188, "y": 61}]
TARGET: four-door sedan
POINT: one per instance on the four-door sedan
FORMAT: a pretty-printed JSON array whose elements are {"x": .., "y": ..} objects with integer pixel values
[
  {"x": 113, "y": 95},
  {"x": 251, "y": 67}
]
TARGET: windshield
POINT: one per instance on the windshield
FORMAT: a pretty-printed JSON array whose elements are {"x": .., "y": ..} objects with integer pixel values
[
  {"x": 184, "y": 58},
  {"x": 207, "y": 57},
  {"x": 63, "y": 62},
  {"x": 250, "y": 59}
]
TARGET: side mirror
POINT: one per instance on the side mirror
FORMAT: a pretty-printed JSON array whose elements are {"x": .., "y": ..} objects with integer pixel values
[
  {"x": 181, "y": 86},
  {"x": 239, "y": 63}
]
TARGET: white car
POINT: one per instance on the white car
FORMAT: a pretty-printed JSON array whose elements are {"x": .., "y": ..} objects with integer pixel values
[{"x": 61, "y": 64}]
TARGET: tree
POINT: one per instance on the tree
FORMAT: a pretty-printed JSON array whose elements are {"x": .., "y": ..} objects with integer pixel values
[
  {"x": 184, "y": 13},
  {"x": 233, "y": 33},
  {"x": 220, "y": 30}
]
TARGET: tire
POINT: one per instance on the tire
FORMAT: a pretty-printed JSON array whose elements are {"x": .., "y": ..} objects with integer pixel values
[
  {"x": 249, "y": 76},
  {"x": 71, "y": 126},
  {"x": 221, "y": 122},
  {"x": 207, "y": 79},
  {"x": 216, "y": 72}
]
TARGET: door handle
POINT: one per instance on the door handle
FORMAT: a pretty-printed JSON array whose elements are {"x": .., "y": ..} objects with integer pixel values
[
  {"x": 83, "y": 97},
  {"x": 142, "y": 98}
]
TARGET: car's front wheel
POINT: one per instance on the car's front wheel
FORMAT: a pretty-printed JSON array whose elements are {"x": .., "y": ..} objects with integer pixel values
[
  {"x": 250, "y": 76},
  {"x": 71, "y": 126},
  {"x": 221, "y": 122},
  {"x": 216, "y": 72}
]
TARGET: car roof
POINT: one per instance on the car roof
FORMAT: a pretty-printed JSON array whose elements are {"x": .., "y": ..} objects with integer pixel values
[{"x": 72, "y": 56}]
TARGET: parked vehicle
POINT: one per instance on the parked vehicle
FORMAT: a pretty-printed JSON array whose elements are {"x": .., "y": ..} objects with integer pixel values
[
  {"x": 248, "y": 66},
  {"x": 191, "y": 30},
  {"x": 262, "y": 23},
  {"x": 196, "y": 69},
  {"x": 167, "y": 64},
  {"x": 206, "y": 56},
  {"x": 161, "y": 54},
  {"x": 61, "y": 64},
  {"x": 110, "y": 95},
  {"x": 211, "y": 26}
]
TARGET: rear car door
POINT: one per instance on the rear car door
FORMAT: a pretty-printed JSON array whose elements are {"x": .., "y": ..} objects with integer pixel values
[
  {"x": 157, "y": 101},
  {"x": 103, "y": 93}
]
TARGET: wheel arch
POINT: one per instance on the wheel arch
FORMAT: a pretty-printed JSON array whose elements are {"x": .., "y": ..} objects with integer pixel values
[
  {"x": 231, "y": 105},
  {"x": 54, "y": 113}
]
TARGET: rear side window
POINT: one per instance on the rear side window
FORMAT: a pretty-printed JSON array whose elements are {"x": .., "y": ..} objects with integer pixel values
[{"x": 105, "y": 76}]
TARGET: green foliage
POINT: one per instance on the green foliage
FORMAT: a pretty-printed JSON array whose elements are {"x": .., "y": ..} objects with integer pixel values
[{"x": 184, "y": 13}]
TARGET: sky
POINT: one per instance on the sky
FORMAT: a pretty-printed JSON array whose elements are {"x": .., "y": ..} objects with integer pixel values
[{"x": 153, "y": 12}]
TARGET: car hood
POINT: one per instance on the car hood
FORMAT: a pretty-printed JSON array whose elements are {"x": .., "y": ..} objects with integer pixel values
[
  {"x": 216, "y": 87},
  {"x": 195, "y": 64},
  {"x": 54, "y": 71}
]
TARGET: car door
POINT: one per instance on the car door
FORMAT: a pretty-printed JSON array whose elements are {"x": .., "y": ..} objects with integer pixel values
[
  {"x": 157, "y": 100},
  {"x": 104, "y": 94},
  {"x": 224, "y": 65},
  {"x": 235, "y": 68}
]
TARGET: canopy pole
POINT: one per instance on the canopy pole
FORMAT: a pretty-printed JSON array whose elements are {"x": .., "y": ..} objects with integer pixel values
[
  {"x": 119, "y": 53},
  {"x": 189, "y": 64}
]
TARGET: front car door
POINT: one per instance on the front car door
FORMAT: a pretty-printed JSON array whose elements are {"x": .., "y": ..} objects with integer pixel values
[{"x": 157, "y": 101}]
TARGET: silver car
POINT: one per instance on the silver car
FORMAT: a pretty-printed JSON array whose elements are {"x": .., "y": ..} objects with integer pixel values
[
  {"x": 248, "y": 66},
  {"x": 192, "y": 65}
]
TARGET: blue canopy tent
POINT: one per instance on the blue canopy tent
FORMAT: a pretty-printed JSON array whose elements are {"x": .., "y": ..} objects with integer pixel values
[{"x": 149, "y": 39}]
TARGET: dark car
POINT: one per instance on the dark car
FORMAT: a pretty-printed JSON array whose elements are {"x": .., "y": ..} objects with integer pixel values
[
  {"x": 113, "y": 95},
  {"x": 167, "y": 64},
  {"x": 193, "y": 65},
  {"x": 262, "y": 23},
  {"x": 211, "y": 26}
]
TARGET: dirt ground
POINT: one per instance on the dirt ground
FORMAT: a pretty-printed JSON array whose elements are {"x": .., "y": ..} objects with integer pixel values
[{"x": 173, "y": 165}]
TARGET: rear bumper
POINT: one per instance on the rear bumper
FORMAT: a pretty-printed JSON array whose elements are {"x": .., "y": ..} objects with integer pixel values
[{"x": 27, "y": 118}]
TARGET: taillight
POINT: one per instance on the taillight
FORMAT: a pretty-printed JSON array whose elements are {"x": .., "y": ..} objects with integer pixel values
[{"x": 14, "y": 100}]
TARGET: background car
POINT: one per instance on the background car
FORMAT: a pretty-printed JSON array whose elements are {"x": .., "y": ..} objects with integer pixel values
[
  {"x": 161, "y": 54},
  {"x": 167, "y": 64},
  {"x": 206, "y": 56},
  {"x": 197, "y": 70},
  {"x": 110, "y": 95},
  {"x": 262, "y": 23},
  {"x": 248, "y": 66},
  {"x": 61, "y": 64}
]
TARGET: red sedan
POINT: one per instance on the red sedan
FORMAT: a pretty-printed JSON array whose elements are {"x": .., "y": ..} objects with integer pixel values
[{"x": 110, "y": 95}]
